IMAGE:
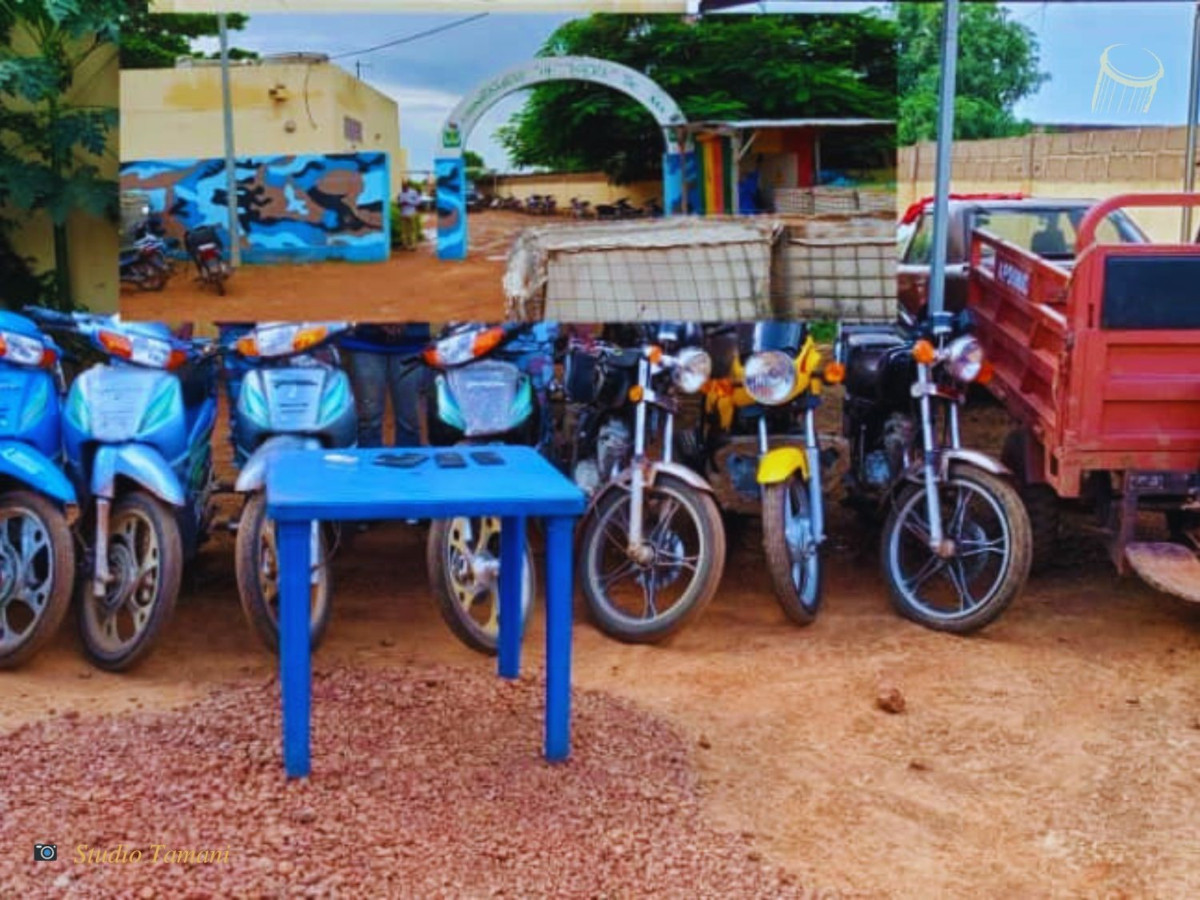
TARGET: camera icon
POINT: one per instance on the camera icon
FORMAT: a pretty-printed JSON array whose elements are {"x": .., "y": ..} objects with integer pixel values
[{"x": 45, "y": 852}]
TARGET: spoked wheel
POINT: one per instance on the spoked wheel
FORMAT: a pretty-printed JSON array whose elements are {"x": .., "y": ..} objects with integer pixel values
[
  {"x": 793, "y": 556},
  {"x": 257, "y": 566},
  {"x": 145, "y": 560},
  {"x": 646, "y": 594},
  {"x": 986, "y": 563},
  {"x": 463, "y": 559},
  {"x": 37, "y": 570}
]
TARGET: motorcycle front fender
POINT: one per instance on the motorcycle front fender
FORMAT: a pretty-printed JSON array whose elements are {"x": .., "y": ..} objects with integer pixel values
[
  {"x": 653, "y": 471},
  {"x": 140, "y": 464},
  {"x": 254, "y": 474},
  {"x": 30, "y": 467},
  {"x": 950, "y": 459},
  {"x": 780, "y": 464}
]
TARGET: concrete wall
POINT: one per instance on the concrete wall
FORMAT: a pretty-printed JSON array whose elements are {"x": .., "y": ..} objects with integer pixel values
[
  {"x": 292, "y": 208},
  {"x": 1087, "y": 164},
  {"x": 92, "y": 241},
  {"x": 590, "y": 186},
  {"x": 279, "y": 109}
]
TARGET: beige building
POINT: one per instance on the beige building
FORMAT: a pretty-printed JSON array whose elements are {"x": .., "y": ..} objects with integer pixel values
[
  {"x": 92, "y": 241},
  {"x": 286, "y": 105}
]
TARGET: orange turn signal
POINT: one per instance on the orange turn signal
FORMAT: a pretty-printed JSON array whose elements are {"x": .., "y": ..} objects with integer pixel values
[
  {"x": 247, "y": 345},
  {"x": 636, "y": 394},
  {"x": 432, "y": 358},
  {"x": 176, "y": 359},
  {"x": 654, "y": 354},
  {"x": 924, "y": 353},
  {"x": 487, "y": 341},
  {"x": 985, "y": 373},
  {"x": 116, "y": 344},
  {"x": 835, "y": 373}
]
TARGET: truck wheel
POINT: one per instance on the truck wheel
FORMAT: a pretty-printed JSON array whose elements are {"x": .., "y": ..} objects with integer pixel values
[{"x": 1045, "y": 512}]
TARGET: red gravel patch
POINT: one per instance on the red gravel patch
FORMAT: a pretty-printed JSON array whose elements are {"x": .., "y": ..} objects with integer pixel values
[{"x": 427, "y": 782}]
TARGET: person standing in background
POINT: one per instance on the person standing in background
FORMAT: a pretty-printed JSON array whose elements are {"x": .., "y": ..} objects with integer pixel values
[
  {"x": 410, "y": 218},
  {"x": 380, "y": 364}
]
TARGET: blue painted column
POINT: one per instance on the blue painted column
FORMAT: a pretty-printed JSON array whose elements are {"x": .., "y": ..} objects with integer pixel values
[
  {"x": 673, "y": 184},
  {"x": 691, "y": 179},
  {"x": 451, "y": 207}
]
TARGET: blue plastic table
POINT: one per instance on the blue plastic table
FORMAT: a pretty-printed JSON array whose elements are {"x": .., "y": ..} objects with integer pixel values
[{"x": 304, "y": 486}]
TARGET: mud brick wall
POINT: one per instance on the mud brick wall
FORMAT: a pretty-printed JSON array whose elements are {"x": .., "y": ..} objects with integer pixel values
[
  {"x": 836, "y": 267},
  {"x": 290, "y": 208},
  {"x": 1086, "y": 164}
]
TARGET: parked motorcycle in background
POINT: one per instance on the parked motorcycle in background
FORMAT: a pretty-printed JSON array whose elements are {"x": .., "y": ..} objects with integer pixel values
[
  {"x": 137, "y": 431},
  {"x": 37, "y": 501},
  {"x": 145, "y": 264},
  {"x": 581, "y": 209},
  {"x": 292, "y": 396},
  {"x": 759, "y": 449},
  {"x": 652, "y": 546},
  {"x": 957, "y": 543},
  {"x": 480, "y": 396},
  {"x": 203, "y": 246}
]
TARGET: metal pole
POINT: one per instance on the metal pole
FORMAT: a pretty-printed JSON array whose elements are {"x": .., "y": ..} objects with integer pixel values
[
  {"x": 235, "y": 238},
  {"x": 945, "y": 149},
  {"x": 1189, "y": 160}
]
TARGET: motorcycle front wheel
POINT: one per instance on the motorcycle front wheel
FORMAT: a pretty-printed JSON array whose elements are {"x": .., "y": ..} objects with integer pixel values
[
  {"x": 991, "y": 542},
  {"x": 793, "y": 556},
  {"x": 145, "y": 560},
  {"x": 37, "y": 573},
  {"x": 462, "y": 556},
  {"x": 257, "y": 565},
  {"x": 646, "y": 601}
]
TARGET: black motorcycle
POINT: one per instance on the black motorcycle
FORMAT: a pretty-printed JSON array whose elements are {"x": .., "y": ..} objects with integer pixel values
[
  {"x": 203, "y": 246},
  {"x": 957, "y": 543}
]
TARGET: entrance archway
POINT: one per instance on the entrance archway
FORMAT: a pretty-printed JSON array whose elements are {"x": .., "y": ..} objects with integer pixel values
[{"x": 451, "y": 171}]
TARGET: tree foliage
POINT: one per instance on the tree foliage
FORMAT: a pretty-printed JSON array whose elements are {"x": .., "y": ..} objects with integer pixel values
[
  {"x": 997, "y": 66},
  {"x": 155, "y": 40},
  {"x": 716, "y": 67},
  {"x": 48, "y": 144}
]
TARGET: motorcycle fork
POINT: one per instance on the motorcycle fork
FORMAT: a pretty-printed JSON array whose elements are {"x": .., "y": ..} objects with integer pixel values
[
  {"x": 100, "y": 573},
  {"x": 933, "y": 505},
  {"x": 637, "y": 481},
  {"x": 812, "y": 450}
]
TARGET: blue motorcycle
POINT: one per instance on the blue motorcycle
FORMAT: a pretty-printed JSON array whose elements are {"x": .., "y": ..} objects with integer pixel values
[
  {"x": 37, "y": 502},
  {"x": 287, "y": 392},
  {"x": 137, "y": 431},
  {"x": 489, "y": 388}
]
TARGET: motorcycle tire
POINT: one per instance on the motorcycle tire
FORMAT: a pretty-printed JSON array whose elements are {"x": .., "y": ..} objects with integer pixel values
[
  {"x": 155, "y": 535},
  {"x": 710, "y": 528},
  {"x": 797, "y": 585},
  {"x": 58, "y": 563},
  {"x": 1010, "y": 512},
  {"x": 481, "y": 637},
  {"x": 259, "y": 602}
]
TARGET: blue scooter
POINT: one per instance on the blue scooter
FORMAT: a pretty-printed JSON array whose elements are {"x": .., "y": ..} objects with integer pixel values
[
  {"x": 287, "y": 392},
  {"x": 37, "y": 502},
  {"x": 137, "y": 430}
]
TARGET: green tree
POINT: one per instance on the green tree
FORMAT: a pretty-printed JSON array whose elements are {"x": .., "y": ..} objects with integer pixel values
[
  {"x": 155, "y": 40},
  {"x": 997, "y": 67},
  {"x": 716, "y": 67},
  {"x": 475, "y": 166},
  {"x": 48, "y": 145}
]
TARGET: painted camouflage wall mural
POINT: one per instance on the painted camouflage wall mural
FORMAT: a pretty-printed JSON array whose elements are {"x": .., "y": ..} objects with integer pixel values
[{"x": 290, "y": 208}]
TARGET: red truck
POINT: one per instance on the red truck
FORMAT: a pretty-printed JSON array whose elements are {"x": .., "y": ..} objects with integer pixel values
[{"x": 1099, "y": 365}]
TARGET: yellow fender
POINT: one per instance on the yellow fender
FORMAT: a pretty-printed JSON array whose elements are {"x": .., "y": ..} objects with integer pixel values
[{"x": 780, "y": 464}]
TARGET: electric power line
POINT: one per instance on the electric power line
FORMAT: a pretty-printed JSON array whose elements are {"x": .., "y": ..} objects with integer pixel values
[{"x": 413, "y": 37}]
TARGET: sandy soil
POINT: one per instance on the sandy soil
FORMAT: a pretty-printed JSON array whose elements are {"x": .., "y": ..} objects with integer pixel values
[
  {"x": 1053, "y": 755},
  {"x": 412, "y": 285}
]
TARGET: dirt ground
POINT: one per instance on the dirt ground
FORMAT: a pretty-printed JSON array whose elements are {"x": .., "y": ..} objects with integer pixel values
[
  {"x": 1054, "y": 755},
  {"x": 411, "y": 286}
]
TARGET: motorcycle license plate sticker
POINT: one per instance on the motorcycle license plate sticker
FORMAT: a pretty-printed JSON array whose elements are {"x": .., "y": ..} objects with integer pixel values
[{"x": 486, "y": 393}]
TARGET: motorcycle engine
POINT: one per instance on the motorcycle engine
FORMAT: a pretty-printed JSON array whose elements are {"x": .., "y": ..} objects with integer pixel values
[
  {"x": 898, "y": 433},
  {"x": 612, "y": 447}
]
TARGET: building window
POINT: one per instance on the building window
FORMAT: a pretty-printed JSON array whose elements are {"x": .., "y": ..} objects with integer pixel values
[{"x": 352, "y": 128}]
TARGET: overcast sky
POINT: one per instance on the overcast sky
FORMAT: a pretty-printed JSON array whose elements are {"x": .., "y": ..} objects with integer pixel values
[
  {"x": 428, "y": 76},
  {"x": 1072, "y": 37}
]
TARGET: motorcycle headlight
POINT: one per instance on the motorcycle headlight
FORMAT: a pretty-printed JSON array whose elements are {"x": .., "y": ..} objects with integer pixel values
[
  {"x": 693, "y": 367},
  {"x": 770, "y": 377},
  {"x": 25, "y": 351},
  {"x": 964, "y": 358},
  {"x": 463, "y": 347},
  {"x": 282, "y": 339}
]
